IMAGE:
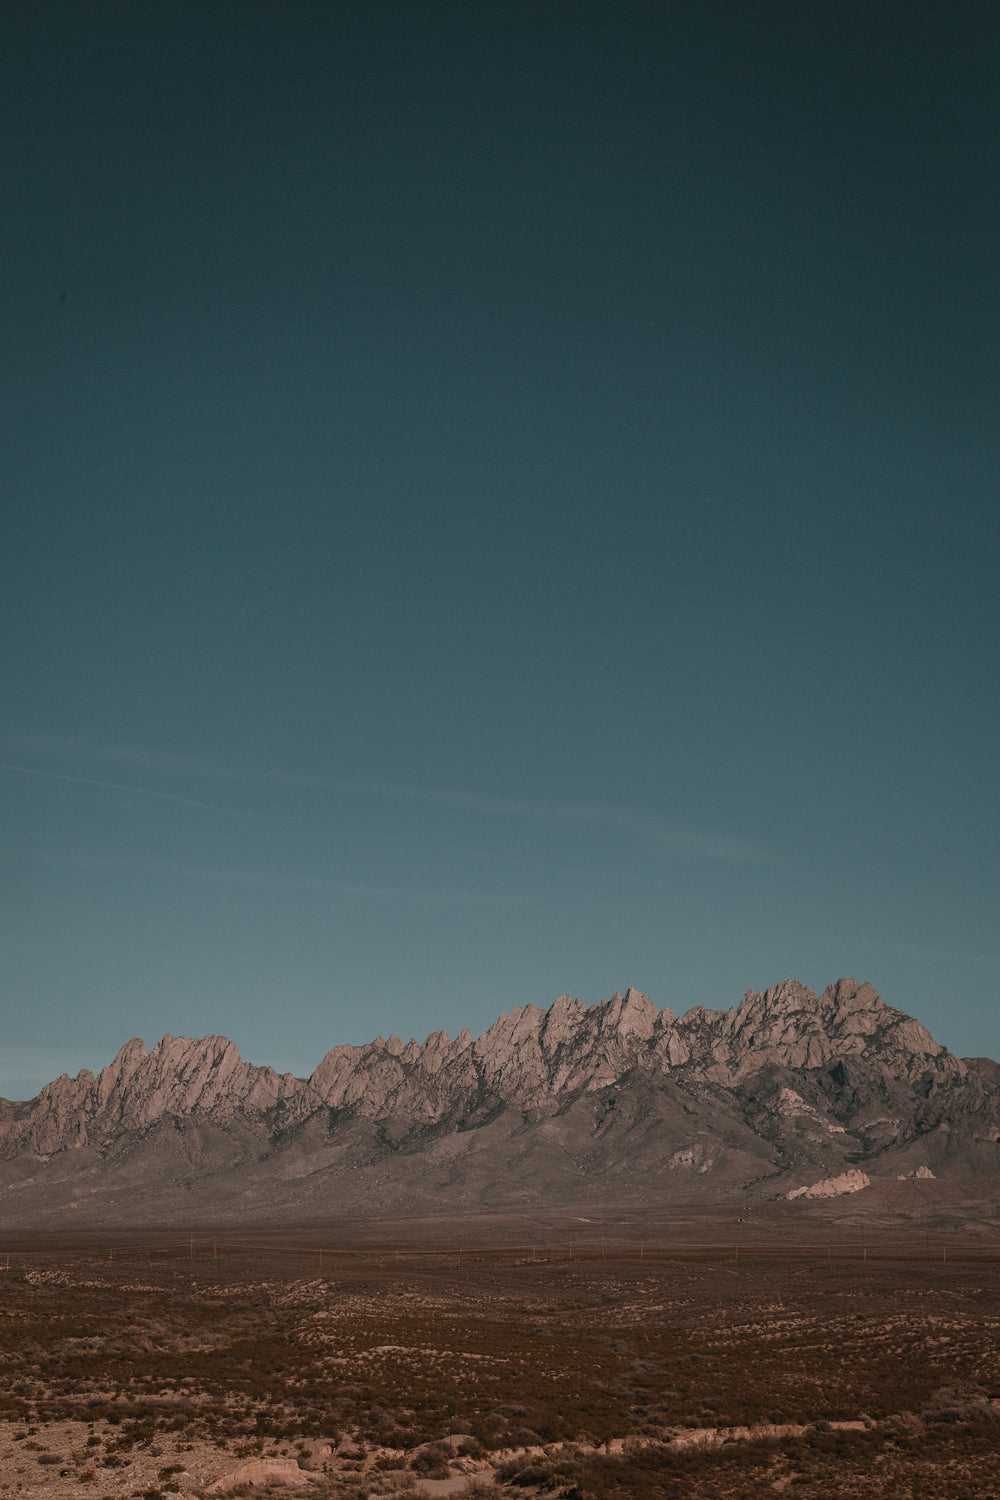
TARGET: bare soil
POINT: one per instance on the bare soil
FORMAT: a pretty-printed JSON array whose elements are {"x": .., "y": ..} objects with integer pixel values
[{"x": 717, "y": 1356}]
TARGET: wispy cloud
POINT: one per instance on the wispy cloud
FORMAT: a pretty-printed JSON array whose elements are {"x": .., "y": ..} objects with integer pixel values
[
  {"x": 669, "y": 841},
  {"x": 276, "y": 880},
  {"x": 672, "y": 842},
  {"x": 924, "y": 951},
  {"x": 107, "y": 753},
  {"x": 132, "y": 789}
]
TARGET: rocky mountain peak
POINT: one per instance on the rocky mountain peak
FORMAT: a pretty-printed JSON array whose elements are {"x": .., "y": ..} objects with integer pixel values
[
  {"x": 787, "y": 1081},
  {"x": 113, "y": 1078},
  {"x": 631, "y": 1014}
]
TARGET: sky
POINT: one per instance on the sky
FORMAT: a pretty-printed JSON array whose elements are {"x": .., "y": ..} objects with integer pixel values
[{"x": 498, "y": 500}]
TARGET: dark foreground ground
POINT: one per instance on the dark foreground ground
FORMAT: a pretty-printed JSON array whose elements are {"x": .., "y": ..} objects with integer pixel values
[{"x": 711, "y": 1357}]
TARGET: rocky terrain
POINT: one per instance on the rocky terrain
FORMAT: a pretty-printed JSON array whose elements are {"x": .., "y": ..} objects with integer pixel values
[{"x": 786, "y": 1095}]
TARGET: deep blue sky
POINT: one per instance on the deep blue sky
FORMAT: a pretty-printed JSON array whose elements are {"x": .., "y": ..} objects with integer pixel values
[{"x": 498, "y": 500}]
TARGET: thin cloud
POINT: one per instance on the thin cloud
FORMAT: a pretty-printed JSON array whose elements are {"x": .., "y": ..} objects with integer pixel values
[
  {"x": 670, "y": 842},
  {"x": 106, "y": 753},
  {"x": 274, "y": 880},
  {"x": 676, "y": 843},
  {"x": 926, "y": 952},
  {"x": 138, "y": 791}
]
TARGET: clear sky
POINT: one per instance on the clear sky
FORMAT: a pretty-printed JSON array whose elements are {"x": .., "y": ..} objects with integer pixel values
[{"x": 497, "y": 500}]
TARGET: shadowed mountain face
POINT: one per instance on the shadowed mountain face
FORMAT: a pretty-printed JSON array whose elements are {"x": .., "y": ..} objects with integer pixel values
[{"x": 616, "y": 1102}]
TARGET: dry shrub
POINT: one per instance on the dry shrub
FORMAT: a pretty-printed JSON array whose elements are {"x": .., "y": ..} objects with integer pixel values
[
  {"x": 960, "y": 1403},
  {"x": 902, "y": 1424},
  {"x": 433, "y": 1461}
]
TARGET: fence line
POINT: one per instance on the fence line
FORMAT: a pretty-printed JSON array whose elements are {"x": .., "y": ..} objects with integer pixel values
[{"x": 605, "y": 1249}]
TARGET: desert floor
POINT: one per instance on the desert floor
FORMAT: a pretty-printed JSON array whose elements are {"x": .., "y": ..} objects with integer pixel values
[{"x": 713, "y": 1355}]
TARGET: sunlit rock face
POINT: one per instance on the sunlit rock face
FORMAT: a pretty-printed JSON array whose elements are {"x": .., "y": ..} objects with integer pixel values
[
  {"x": 852, "y": 1181},
  {"x": 786, "y": 1095}
]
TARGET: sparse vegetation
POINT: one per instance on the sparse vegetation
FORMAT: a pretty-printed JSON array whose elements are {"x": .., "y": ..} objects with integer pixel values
[{"x": 680, "y": 1376}]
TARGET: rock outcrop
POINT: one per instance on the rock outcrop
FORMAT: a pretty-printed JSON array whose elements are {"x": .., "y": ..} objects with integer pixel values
[
  {"x": 279, "y": 1471},
  {"x": 179, "y": 1077},
  {"x": 834, "y": 1187},
  {"x": 785, "y": 1088}
]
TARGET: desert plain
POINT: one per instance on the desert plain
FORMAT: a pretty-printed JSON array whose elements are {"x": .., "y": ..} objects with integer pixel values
[{"x": 813, "y": 1350}]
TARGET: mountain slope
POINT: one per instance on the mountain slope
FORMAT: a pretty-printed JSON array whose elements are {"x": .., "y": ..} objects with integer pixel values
[{"x": 618, "y": 1100}]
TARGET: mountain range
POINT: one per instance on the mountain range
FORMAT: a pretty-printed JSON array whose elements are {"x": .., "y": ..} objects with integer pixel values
[{"x": 789, "y": 1094}]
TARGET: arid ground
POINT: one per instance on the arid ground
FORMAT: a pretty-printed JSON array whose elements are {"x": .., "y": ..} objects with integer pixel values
[{"x": 717, "y": 1356}]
